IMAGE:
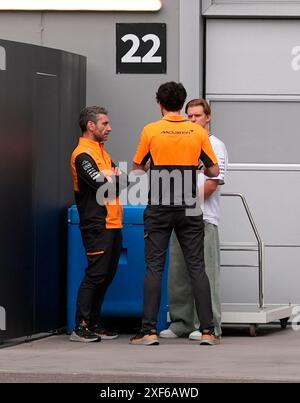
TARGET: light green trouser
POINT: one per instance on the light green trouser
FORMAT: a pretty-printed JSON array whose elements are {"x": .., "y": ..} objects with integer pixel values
[{"x": 183, "y": 315}]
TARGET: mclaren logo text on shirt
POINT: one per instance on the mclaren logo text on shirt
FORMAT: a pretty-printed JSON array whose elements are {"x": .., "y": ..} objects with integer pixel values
[{"x": 177, "y": 132}]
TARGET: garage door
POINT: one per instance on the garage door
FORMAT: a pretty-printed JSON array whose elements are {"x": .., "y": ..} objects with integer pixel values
[{"x": 253, "y": 83}]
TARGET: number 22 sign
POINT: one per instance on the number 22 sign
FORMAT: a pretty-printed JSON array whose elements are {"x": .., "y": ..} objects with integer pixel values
[{"x": 141, "y": 48}]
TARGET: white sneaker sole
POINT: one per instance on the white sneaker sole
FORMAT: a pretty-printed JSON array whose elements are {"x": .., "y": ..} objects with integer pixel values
[
  {"x": 76, "y": 338},
  {"x": 103, "y": 337},
  {"x": 168, "y": 335},
  {"x": 195, "y": 337}
]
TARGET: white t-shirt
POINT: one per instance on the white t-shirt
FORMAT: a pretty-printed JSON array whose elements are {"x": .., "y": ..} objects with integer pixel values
[{"x": 211, "y": 208}]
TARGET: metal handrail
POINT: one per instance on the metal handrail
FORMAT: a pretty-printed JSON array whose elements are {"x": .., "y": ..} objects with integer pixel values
[{"x": 261, "y": 260}]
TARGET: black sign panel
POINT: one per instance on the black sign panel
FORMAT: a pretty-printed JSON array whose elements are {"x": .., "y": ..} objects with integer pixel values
[{"x": 141, "y": 48}]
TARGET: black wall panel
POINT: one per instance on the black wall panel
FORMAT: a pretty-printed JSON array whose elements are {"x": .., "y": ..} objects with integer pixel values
[
  {"x": 46, "y": 200},
  {"x": 16, "y": 224},
  {"x": 41, "y": 93}
]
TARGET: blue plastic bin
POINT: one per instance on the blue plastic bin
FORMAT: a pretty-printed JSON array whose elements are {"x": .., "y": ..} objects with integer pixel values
[{"x": 124, "y": 297}]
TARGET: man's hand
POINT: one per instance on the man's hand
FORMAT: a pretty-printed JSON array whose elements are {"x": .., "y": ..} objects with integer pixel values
[
  {"x": 147, "y": 165},
  {"x": 140, "y": 169},
  {"x": 212, "y": 172},
  {"x": 117, "y": 171}
]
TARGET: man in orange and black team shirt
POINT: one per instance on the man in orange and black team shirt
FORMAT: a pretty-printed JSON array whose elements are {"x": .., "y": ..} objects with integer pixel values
[
  {"x": 174, "y": 146},
  {"x": 100, "y": 222}
]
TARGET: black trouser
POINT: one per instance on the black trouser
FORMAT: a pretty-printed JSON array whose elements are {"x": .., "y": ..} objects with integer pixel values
[
  {"x": 103, "y": 248},
  {"x": 159, "y": 223}
]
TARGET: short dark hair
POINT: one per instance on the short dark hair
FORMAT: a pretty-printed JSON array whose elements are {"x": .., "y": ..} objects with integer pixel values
[
  {"x": 171, "y": 96},
  {"x": 90, "y": 113},
  {"x": 199, "y": 102}
]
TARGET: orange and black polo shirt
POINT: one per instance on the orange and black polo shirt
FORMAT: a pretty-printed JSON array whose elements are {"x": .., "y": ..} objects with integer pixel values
[
  {"x": 88, "y": 160},
  {"x": 174, "y": 145}
]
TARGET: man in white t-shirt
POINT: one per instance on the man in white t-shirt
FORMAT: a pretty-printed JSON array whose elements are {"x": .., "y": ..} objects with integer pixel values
[{"x": 184, "y": 321}]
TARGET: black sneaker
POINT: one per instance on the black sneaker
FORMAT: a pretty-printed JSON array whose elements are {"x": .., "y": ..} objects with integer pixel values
[
  {"x": 82, "y": 334},
  {"x": 104, "y": 334}
]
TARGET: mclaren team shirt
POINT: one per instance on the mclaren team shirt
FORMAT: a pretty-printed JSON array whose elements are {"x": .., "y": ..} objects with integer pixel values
[
  {"x": 175, "y": 148},
  {"x": 88, "y": 161}
]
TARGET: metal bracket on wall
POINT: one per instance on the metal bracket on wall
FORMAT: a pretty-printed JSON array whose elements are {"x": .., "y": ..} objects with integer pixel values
[
  {"x": 2, "y": 58},
  {"x": 2, "y": 318},
  {"x": 46, "y": 74}
]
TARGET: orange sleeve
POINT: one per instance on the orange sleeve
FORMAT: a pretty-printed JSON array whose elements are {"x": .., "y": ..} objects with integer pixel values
[
  {"x": 207, "y": 156},
  {"x": 143, "y": 151}
]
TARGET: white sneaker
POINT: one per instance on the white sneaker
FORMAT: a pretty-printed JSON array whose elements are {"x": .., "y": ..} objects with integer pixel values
[
  {"x": 168, "y": 334},
  {"x": 196, "y": 335}
]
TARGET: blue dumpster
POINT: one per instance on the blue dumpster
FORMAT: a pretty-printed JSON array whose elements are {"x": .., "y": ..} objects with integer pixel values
[{"x": 124, "y": 297}]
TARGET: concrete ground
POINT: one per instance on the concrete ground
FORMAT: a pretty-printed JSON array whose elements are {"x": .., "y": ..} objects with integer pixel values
[{"x": 274, "y": 356}]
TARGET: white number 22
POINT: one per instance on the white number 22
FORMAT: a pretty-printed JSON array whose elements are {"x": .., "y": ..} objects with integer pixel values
[{"x": 149, "y": 57}]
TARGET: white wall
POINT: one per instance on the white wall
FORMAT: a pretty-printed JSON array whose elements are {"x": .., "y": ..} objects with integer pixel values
[{"x": 255, "y": 98}]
